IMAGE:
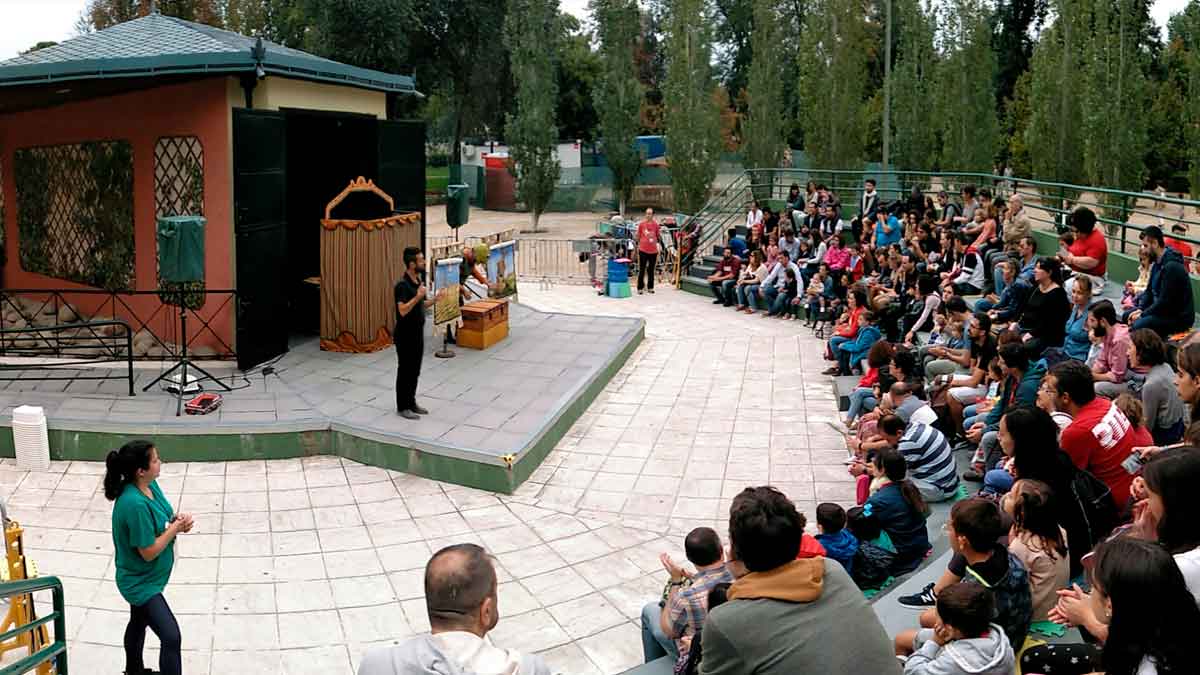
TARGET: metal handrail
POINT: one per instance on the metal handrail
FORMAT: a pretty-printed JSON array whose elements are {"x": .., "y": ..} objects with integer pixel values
[
  {"x": 55, "y": 651},
  {"x": 1114, "y": 207},
  {"x": 715, "y": 212},
  {"x": 112, "y": 350}
]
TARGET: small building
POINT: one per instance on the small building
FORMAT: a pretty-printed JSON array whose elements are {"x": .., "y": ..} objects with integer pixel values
[{"x": 104, "y": 133}]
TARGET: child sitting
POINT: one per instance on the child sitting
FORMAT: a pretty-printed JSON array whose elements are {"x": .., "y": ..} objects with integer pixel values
[
  {"x": 901, "y": 511},
  {"x": 840, "y": 544},
  {"x": 963, "y": 641},
  {"x": 873, "y": 560},
  {"x": 809, "y": 546},
  {"x": 974, "y": 529},
  {"x": 1037, "y": 540},
  {"x": 1135, "y": 288}
]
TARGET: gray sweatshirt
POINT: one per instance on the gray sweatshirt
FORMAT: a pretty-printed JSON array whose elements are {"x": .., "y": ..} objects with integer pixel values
[
  {"x": 988, "y": 655},
  {"x": 1160, "y": 398}
]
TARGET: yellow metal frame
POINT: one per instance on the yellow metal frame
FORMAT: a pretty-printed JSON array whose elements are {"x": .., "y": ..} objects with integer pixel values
[{"x": 20, "y": 609}]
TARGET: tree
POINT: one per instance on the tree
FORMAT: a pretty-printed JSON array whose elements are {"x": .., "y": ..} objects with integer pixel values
[
  {"x": 531, "y": 131},
  {"x": 692, "y": 118},
  {"x": 763, "y": 127},
  {"x": 1012, "y": 41},
  {"x": 618, "y": 93},
  {"x": 1115, "y": 98},
  {"x": 366, "y": 33},
  {"x": 970, "y": 129},
  {"x": 44, "y": 44},
  {"x": 578, "y": 69},
  {"x": 1017, "y": 115},
  {"x": 1054, "y": 135},
  {"x": 101, "y": 14},
  {"x": 914, "y": 88},
  {"x": 1184, "y": 33},
  {"x": 833, "y": 64}
]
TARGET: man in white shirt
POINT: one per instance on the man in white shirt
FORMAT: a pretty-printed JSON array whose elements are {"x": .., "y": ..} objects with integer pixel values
[
  {"x": 460, "y": 597},
  {"x": 868, "y": 204},
  {"x": 754, "y": 216},
  {"x": 775, "y": 281}
]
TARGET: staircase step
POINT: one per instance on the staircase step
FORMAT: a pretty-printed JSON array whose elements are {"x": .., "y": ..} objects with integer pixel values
[
  {"x": 695, "y": 285},
  {"x": 701, "y": 270}
]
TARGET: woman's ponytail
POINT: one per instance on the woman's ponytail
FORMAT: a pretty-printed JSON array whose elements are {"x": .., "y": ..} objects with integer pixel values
[
  {"x": 121, "y": 466},
  {"x": 893, "y": 465}
]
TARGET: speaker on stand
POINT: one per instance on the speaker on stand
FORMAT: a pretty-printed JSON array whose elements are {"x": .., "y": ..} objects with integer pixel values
[{"x": 181, "y": 261}]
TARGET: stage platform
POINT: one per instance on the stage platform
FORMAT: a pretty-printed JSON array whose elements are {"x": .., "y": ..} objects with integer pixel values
[{"x": 494, "y": 414}]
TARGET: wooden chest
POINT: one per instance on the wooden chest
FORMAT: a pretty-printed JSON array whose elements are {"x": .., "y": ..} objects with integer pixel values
[
  {"x": 481, "y": 315},
  {"x": 474, "y": 339}
]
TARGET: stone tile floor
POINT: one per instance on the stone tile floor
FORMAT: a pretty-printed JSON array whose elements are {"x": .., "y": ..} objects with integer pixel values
[{"x": 299, "y": 566}]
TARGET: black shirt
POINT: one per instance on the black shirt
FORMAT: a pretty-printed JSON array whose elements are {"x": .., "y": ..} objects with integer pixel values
[
  {"x": 1045, "y": 316},
  {"x": 992, "y": 570},
  {"x": 982, "y": 354},
  {"x": 414, "y": 321}
]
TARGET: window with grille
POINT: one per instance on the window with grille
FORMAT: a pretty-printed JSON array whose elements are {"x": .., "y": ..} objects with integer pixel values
[
  {"x": 178, "y": 176},
  {"x": 178, "y": 191},
  {"x": 75, "y": 212}
]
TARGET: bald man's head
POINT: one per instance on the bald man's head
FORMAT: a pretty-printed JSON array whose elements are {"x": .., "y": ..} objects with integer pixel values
[{"x": 460, "y": 590}]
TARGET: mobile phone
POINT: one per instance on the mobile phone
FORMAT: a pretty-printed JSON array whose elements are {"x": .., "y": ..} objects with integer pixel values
[{"x": 1133, "y": 463}]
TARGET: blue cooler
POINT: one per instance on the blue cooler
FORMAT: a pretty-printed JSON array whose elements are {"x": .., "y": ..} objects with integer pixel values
[{"x": 618, "y": 269}]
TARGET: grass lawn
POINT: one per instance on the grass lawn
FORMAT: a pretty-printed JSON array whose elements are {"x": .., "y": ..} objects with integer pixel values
[{"x": 436, "y": 179}]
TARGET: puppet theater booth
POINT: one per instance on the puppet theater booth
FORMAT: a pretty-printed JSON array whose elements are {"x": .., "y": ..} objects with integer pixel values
[{"x": 104, "y": 134}]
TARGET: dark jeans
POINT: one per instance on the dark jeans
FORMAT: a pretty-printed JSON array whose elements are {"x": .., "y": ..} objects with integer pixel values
[
  {"x": 723, "y": 290},
  {"x": 646, "y": 262},
  {"x": 156, "y": 615},
  {"x": 410, "y": 348}
]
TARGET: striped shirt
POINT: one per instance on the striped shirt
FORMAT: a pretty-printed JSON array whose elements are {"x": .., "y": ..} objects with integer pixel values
[{"x": 928, "y": 456}]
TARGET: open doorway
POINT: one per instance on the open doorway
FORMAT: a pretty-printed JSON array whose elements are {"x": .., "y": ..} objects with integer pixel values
[{"x": 325, "y": 151}]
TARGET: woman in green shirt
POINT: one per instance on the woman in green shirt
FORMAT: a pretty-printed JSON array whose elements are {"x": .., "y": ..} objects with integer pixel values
[{"x": 143, "y": 528}]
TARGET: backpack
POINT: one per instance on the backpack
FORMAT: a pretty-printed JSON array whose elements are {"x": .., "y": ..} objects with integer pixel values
[
  {"x": 871, "y": 565},
  {"x": 1014, "y": 601},
  {"x": 1096, "y": 506}
]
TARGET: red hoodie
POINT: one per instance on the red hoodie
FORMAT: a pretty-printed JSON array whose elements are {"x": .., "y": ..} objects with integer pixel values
[{"x": 810, "y": 547}]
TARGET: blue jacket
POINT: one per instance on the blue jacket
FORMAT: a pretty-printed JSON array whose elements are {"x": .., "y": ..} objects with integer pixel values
[
  {"x": 1077, "y": 343},
  {"x": 885, "y": 238},
  {"x": 862, "y": 343},
  {"x": 1012, "y": 300},
  {"x": 903, "y": 524},
  {"x": 738, "y": 246},
  {"x": 841, "y": 546}
]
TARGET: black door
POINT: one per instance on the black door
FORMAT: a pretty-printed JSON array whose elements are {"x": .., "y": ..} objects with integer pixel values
[
  {"x": 402, "y": 165},
  {"x": 260, "y": 232}
]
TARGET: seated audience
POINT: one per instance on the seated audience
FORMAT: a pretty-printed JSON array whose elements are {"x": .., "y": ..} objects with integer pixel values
[
  {"x": 1077, "y": 341},
  {"x": 1043, "y": 323},
  {"x": 1006, "y": 304},
  {"x": 1039, "y": 542},
  {"x": 717, "y": 596},
  {"x": 1109, "y": 370},
  {"x": 681, "y": 612},
  {"x": 909, "y": 408},
  {"x": 865, "y": 396},
  {"x": 460, "y": 597},
  {"x": 837, "y": 256},
  {"x": 922, "y": 309},
  {"x": 851, "y": 353},
  {"x": 963, "y": 639},
  {"x": 790, "y": 244},
  {"x": 1021, "y": 382},
  {"x": 927, "y": 454},
  {"x": 967, "y": 277},
  {"x": 1163, "y": 410},
  {"x": 748, "y": 284},
  {"x": 775, "y": 282},
  {"x": 1139, "y": 609},
  {"x": 846, "y": 328},
  {"x": 1166, "y": 306},
  {"x": 1099, "y": 438},
  {"x": 1087, "y": 254},
  {"x": 974, "y": 528},
  {"x": 737, "y": 243},
  {"x": 788, "y": 616},
  {"x": 900, "y": 509},
  {"x": 839, "y": 543},
  {"x": 873, "y": 560},
  {"x": 1170, "y": 510},
  {"x": 723, "y": 279},
  {"x": 887, "y": 229}
]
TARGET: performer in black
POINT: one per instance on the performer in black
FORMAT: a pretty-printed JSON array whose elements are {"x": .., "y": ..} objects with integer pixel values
[{"x": 409, "y": 335}]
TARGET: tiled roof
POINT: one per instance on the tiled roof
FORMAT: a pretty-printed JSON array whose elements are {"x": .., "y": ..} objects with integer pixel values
[{"x": 158, "y": 45}]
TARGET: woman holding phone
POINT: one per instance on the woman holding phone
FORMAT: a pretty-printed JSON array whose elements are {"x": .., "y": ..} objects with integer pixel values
[{"x": 144, "y": 527}]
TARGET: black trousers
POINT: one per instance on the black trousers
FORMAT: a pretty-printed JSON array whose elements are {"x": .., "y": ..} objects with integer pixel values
[
  {"x": 155, "y": 615},
  {"x": 410, "y": 349},
  {"x": 646, "y": 262}
]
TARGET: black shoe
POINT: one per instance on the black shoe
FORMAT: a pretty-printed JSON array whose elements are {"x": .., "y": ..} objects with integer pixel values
[
  {"x": 419, "y": 410},
  {"x": 973, "y": 475},
  {"x": 925, "y": 598},
  {"x": 409, "y": 415},
  {"x": 651, "y": 291},
  {"x": 718, "y": 302}
]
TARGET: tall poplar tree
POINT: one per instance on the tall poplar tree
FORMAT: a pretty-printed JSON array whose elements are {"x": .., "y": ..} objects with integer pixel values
[
  {"x": 833, "y": 73},
  {"x": 1055, "y": 132},
  {"x": 970, "y": 128},
  {"x": 764, "y": 127},
  {"x": 691, "y": 116},
  {"x": 618, "y": 93},
  {"x": 914, "y": 88},
  {"x": 530, "y": 33}
]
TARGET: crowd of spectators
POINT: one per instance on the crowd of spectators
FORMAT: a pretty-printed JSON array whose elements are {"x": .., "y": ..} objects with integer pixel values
[{"x": 1077, "y": 416}]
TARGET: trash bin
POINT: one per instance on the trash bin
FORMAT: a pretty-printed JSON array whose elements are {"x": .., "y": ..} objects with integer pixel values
[
  {"x": 458, "y": 204},
  {"x": 30, "y": 438}
]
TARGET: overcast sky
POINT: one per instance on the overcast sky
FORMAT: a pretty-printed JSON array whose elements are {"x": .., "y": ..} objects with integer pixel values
[{"x": 24, "y": 23}]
